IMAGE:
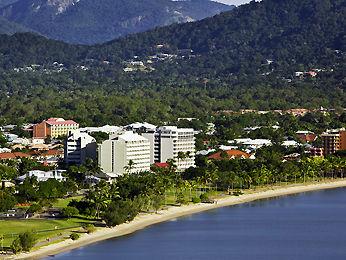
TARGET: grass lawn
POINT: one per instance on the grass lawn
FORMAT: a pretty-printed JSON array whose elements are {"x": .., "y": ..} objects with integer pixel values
[
  {"x": 44, "y": 228},
  {"x": 62, "y": 203}
]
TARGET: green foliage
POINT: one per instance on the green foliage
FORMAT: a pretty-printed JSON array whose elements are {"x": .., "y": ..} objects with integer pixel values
[
  {"x": 119, "y": 212},
  {"x": 196, "y": 200},
  {"x": 181, "y": 198},
  {"x": 7, "y": 200},
  {"x": 74, "y": 236},
  {"x": 157, "y": 201},
  {"x": 24, "y": 242},
  {"x": 89, "y": 228},
  {"x": 34, "y": 208},
  {"x": 16, "y": 246},
  {"x": 204, "y": 198},
  {"x": 69, "y": 212}
]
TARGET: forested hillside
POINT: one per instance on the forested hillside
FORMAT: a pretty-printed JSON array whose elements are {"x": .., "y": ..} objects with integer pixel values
[{"x": 264, "y": 55}]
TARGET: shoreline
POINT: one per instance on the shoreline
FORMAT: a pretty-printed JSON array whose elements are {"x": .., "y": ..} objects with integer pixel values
[{"x": 145, "y": 220}]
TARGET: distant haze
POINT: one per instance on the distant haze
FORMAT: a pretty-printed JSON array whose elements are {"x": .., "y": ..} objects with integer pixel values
[{"x": 233, "y": 2}]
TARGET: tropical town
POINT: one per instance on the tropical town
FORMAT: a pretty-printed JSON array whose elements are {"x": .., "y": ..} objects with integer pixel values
[{"x": 61, "y": 181}]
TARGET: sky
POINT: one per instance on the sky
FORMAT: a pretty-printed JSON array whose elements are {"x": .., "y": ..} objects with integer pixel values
[{"x": 233, "y": 2}]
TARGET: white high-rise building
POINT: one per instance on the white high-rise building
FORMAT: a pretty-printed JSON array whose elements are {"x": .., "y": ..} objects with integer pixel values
[
  {"x": 127, "y": 152},
  {"x": 171, "y": 142},
  {"x": 78, "y": 147}
]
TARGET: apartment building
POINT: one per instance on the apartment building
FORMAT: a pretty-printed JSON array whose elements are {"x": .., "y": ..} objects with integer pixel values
[
  {"x": 54, "y": 127},
  {"x": 171, "y": 142},
  {"x": 124, "y": 153},
  {"x": 334, "y": 140},
  {"x": 78, "y": 147}
]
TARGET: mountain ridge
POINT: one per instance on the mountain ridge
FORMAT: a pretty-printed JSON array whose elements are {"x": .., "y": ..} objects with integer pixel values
[{"x": 90, "y": 22}]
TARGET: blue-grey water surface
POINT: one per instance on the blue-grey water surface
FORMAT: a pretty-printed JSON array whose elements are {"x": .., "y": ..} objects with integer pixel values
[{"x": 304, "y": 226}]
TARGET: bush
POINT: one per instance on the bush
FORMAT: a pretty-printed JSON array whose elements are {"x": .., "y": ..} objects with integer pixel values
[
  {"x": 205, "y": 198},
  {"x": 34, "y": 208},
  {"x": 89, "y": 228},
  {"x": 69, "y": 212},
  {"x": 74, "y": 236},
  {"x": 237, "y": 193},
  {"x": 24, "y": 242},
  {"x": 196, "y": 200},
  {"x": 16, "y": 246},
  {"x": 181, "y": 198}
]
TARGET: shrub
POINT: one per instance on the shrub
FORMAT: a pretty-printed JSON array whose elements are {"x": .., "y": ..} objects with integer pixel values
[
  {"x": 204, "y": 198},
  {"x": 237, "y": 192},
  {"x": 27, "y": 240},
  {"x": 74, "y": 236},
  {"x": 89, "y": 228},
  {"x": 24, "y": 242},
  {"x": 196, "y": 200},
  {"x": 34, "y": 208},
  {"x": 181, "y": 198},
  {"x": 69, "y": 212},
  {"x": 16, "y": 246}
]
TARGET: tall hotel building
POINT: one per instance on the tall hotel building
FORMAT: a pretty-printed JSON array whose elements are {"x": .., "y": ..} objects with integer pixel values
[
  {"x": 168, "y": 142},
  {"x": 127, "y": 152}
]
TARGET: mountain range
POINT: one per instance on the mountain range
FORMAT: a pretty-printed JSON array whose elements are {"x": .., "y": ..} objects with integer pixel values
[{"x": 90, "y": 22}]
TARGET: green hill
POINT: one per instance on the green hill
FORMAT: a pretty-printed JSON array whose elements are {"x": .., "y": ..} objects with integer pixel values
[{"x": 274, "y": 54}]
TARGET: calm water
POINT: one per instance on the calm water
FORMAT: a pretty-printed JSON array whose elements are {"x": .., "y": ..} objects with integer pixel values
[{"x": 305, "y": 226}]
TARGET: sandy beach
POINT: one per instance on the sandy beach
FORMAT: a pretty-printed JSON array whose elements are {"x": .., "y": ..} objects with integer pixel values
[{"x": 145, "y": 220}]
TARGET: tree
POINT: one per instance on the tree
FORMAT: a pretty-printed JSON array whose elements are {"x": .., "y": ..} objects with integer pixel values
[
  {"x": 7, "y": 200},
  {"x": 69, "y": 212},
  {"x": 25, "y": 242}
]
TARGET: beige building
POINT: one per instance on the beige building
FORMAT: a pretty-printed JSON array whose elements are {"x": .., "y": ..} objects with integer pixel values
[
  {"x": 54, "y": 127},
  {"x": 127, "y": 152},
  {"x": 168, "y": 142}
]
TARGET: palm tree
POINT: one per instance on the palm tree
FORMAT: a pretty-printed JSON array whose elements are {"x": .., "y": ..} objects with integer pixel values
[{"x": 129, "y": 167}]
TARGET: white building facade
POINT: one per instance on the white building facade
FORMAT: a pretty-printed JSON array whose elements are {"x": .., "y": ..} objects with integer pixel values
[
  {"x": 171, "y": 142},
  {"x": 78, "y": 147},
  {"x": 44, "y": 176},
  {"x": 124, "y": 153}
]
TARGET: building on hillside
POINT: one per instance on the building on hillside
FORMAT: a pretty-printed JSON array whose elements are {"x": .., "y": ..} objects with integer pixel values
[
  {"x": 306, "y": 136},
  {"x": 44, "y": 176},
  {"x": 316, "y": 151},
  {"x": 78, "y": 147},
  {"x": 54, "y": 127},
  {"x": 229, "y": 154},
  {"x": 127, "y": 152},
  {"x": 13, "y": 156},
  {"x": 334, "y": 140},
  {"x": 171, "y": 142}
]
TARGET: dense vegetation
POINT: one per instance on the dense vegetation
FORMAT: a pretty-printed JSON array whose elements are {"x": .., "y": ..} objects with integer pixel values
[
  {"x": 91, "y": 22},
  {"x": 245, "y": 58}
]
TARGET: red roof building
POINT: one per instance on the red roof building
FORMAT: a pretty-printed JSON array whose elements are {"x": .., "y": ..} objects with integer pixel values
[
  {"x": 54, "y": 127},
  {"x": 230, "y": 154},
  {"x": 14, "y": 155}
]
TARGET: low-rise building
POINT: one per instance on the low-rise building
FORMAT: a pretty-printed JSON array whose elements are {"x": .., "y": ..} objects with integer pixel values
[
  {"x": 44, "y": 176},
  {"x": 230, "y": 154},
  {"x": 54, "y": 127},
  {"x": 124, "y": 153}
]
